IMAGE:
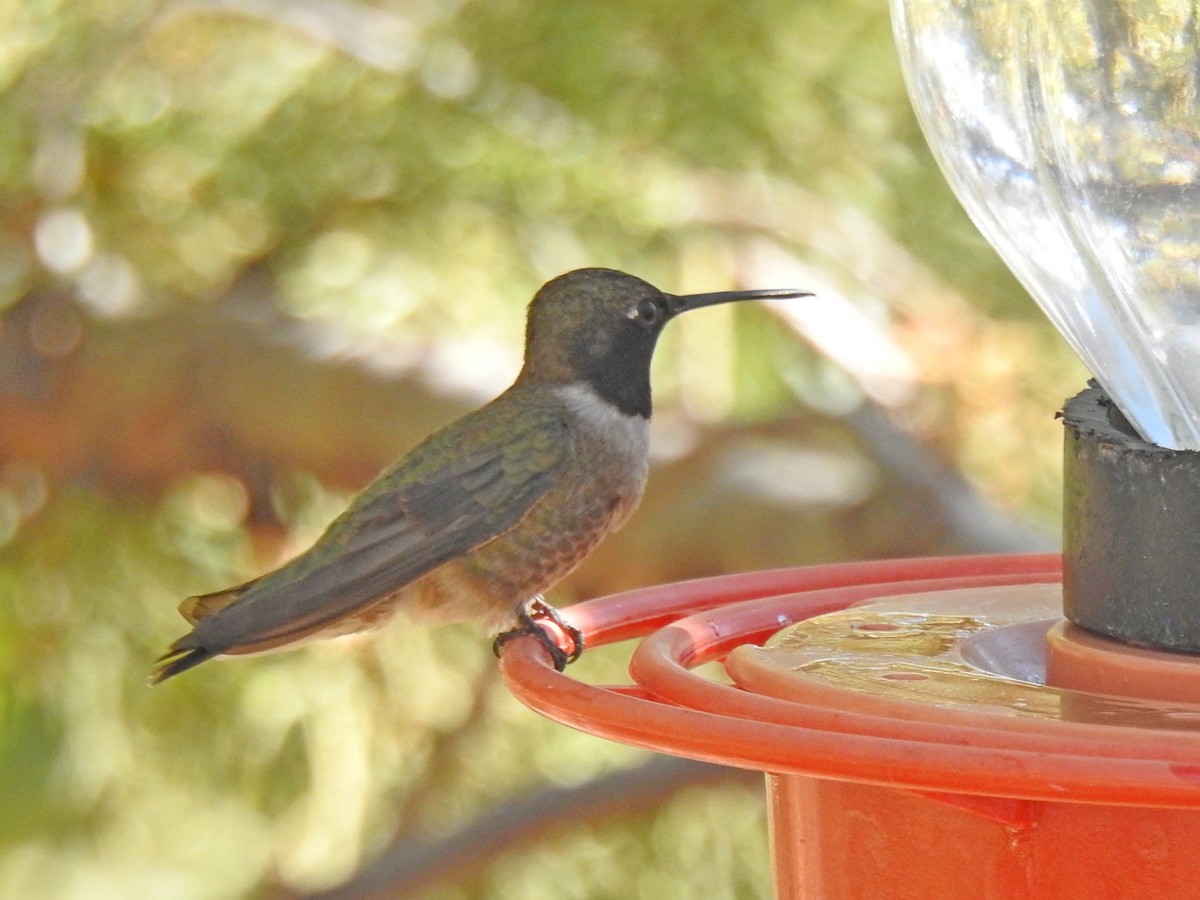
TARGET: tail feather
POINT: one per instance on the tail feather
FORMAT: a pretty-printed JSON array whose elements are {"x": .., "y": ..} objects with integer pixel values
[
  {"x": 176, "y": 660},
  {"x": 204, "y": 605}
]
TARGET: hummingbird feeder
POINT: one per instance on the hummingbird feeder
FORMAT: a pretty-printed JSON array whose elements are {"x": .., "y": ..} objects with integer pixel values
[{"x": 1010, "y": 726}]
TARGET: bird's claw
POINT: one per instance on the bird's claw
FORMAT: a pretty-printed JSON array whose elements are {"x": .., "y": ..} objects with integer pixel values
[{"x": 530, "y": 616}]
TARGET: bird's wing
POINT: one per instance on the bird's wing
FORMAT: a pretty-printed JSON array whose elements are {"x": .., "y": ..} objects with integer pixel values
[{"x": 452, "y": 494}]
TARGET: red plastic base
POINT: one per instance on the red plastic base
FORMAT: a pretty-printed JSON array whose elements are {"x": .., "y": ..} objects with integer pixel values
[
  {"x": 895, "y": 783},
  {"x": 838, "y": 840}
]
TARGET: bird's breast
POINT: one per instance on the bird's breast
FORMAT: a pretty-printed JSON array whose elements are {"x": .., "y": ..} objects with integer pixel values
[
  {"x": 594, "y": 494},
  {"x": 611, "y": 449}
]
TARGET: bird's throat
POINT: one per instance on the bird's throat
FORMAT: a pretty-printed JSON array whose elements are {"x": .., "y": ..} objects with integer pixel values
[{"x": 622, "y": 383}]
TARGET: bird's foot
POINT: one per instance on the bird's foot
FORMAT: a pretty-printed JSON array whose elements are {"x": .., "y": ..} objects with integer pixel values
[{"x": 531, "y": 616}]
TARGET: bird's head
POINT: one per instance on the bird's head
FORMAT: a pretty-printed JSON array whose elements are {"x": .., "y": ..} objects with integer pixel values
[{"x": 600, "y": 326}]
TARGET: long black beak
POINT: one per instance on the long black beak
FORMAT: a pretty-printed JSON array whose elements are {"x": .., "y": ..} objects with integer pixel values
[{"x": 680, "y": 304}]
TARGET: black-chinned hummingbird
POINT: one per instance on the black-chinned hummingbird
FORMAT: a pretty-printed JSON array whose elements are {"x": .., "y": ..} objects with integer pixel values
[{"x": 490, "y": 511}]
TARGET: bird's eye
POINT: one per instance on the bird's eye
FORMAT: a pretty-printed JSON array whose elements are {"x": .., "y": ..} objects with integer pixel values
[{"x": 646, "y": 313}]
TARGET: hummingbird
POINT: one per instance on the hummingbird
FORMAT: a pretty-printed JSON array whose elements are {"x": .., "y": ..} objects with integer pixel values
[{"x": 492, "y": 510}]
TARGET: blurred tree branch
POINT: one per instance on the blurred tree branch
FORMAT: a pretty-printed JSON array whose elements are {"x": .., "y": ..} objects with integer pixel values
[
  {"x": 375, "y": 37},
  {"x": 415, "y": 864},
  {"x": 132, "y": 405}
]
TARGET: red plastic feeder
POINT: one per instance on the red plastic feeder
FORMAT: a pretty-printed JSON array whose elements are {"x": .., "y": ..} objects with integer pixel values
[{"x": 913, "y": 744}]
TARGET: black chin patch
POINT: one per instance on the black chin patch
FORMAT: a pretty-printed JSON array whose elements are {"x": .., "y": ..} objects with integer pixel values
[{"x": 620, "y": 371}]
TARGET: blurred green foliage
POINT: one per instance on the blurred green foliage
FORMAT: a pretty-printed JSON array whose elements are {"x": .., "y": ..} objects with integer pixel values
[{"x": 408, "y": 172}]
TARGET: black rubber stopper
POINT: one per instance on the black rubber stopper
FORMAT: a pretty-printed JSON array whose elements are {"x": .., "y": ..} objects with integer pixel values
[{"x": 1131, "y": 530}]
